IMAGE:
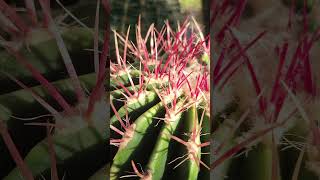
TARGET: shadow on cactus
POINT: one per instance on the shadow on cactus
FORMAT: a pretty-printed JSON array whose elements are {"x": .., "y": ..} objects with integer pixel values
[
  {"x": 53, "y": 123},
  {"x": 160, "y": 103}
]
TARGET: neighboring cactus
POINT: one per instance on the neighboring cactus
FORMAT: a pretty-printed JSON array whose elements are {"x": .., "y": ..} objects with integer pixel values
[
  {"x": 54, "y": 125},
  {"x": 264, "y": 94},
  {"x": 160, "y": 104}
]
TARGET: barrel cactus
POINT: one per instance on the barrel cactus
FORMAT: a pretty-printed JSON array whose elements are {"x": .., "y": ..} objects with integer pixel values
[
  {"x": 160, "y": 103},
  {"x": 265, "y": 91},
  {"x": 53, "y": 101}
]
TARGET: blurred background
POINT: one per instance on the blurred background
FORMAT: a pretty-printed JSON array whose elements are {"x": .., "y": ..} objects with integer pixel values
[{"x": 126, "y": 12}]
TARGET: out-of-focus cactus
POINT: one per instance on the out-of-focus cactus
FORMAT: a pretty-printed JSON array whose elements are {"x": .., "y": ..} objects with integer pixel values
[
  {"x": 53, "y": 121},
  {"x": 264, "y": 92}
]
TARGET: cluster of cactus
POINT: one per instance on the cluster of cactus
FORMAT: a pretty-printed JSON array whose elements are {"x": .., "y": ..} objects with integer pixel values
[
  {"x": 160, "y": 103},
  {"x": 53, "y": 99},
  {"x": 264, "y": 95}
]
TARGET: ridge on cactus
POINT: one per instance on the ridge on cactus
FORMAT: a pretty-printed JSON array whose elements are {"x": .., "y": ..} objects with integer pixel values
[{"x": 160, "y": 103}]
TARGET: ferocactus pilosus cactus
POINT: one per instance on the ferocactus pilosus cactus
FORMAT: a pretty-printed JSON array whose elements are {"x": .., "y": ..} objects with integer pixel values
[
  {"x": 267, "y": 100},
  {"x": 160, "y": 103},
  {"x": 73, "y": 110}
]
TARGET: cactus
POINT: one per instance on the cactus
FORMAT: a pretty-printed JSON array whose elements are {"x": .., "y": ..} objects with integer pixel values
[
  {"x": 50, "y": 126},
  {"x": 264, "y": 92},
  {"x": 160, "y": 103}
]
